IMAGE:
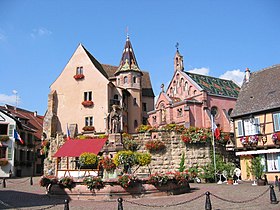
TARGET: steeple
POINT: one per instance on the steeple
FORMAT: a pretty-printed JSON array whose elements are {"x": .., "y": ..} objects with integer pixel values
[
  {"x": 128, "y": 60},
  {"x": 178, "y": 60}
]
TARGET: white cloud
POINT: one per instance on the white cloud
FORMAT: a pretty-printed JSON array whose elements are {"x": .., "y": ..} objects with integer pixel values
[
  {"x": 235, "y": 75},
  {"x": 203, "y": 71},
  {"x": 8, "y": 99},
  {"x": 40, "y": 32}
]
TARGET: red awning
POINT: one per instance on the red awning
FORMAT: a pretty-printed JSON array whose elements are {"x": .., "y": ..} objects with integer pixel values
[{"x": 74, "y": 148}]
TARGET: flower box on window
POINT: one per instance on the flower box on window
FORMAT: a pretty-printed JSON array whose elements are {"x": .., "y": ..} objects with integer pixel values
[
  {"x": 87, "y": 103},
  {"x": 276, "y": 137},
  {"x": 79, "y": 76},
  {"x": 89, "y": 128},
  {"x": 249, "y": 140},
  {"x": 4, "y": 138}
]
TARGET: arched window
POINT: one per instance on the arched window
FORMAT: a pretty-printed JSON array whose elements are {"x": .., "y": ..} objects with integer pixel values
[
  {"x": 194, "y": 92},
  {"x": 230, "y": 111},
  {"x": 125, "y": 80},
  {"x": 214, "y": 111},
  {"x": 181, "y": 82},
  {"x": 134, "y": 79},
  {"x": 186, "y": 86},
  {"x": 116, "y": 97}
]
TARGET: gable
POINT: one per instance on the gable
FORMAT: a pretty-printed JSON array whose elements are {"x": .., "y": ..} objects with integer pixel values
[{"x": 162, "y": 98}]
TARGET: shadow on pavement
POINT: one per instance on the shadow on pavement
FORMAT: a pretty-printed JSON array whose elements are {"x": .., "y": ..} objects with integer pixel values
[{"x": 10, "y": 199}]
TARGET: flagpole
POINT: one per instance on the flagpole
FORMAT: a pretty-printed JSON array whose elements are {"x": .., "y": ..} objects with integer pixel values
[{"x": 214, "y": 150}]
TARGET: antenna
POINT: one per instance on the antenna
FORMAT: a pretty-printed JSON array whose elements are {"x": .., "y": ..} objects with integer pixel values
[
  {"x": 16, "y": 93},
  {"x": 126, "y": 30}
]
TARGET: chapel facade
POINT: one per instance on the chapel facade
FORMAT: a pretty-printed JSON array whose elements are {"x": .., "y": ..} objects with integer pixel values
[{"x": 190, "y": 99}]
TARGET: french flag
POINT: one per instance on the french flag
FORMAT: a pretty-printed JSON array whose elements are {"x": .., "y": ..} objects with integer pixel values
[
  {"x": 68, "y": 133},
  {"x": 215, "y": 130},
  {"x": 17, "y": 137}
]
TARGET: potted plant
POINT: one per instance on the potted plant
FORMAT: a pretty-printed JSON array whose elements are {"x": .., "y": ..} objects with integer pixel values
[
  {"x": 127, "y": 180},
  {"x": 257, "y": 170},
  {"x": 94, "y": 182},
  {"x": 155, "y": 146},
  {"x": 229, "y": 168},
  {"x": 66, "y": 182},
  {"x": 87, "y": 103},
  {"x": 3, "y": 161},
  {"x": 88, "y": 160},
  {"x": 4, "y": 138}
]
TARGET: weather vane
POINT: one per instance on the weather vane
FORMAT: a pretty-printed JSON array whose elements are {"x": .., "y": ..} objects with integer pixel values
[{"x": 177, "y": 45}]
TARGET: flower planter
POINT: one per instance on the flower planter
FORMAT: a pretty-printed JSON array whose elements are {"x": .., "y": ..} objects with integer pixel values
[
  {"x": 79, "y": 76},
  {"x": 87, "y": 103},
  {"x": 4, "y": 138},
  {"x": 88, "y": 128}
]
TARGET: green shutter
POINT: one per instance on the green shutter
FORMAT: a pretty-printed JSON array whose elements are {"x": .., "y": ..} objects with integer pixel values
[
  {"x": 11, "y": 130},
  {"x": 10, "y": 153},
  {"x": 276, "y": 122}
]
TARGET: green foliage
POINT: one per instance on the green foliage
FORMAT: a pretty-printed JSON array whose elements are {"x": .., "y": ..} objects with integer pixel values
[
  {"x": 88, "y": 159},
  {"x": 158, "y": 179},
  {"x": 125, "y": 158},
  {"x": 94, "y": 182},
  {"x": 194, "y": 171},
  {"x": 257, "y": 168},
  {"x": 182, "y": 163},
  {"x": 107, "y": 164},
  {"x": 143, "y": 128},
  {"x": 143, "y": 159},
  {"x": 130, "y": 144},
  {"x": 221, "y": 166},
  {"x": 174, "y": 127}
]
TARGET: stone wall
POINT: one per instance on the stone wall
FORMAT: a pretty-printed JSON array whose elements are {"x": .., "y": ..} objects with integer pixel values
[{"x": 169, "y": 160}]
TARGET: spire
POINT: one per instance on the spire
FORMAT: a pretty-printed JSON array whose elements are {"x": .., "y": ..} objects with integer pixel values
[
  {"x": 128, "y": 60},
  {"x": 178, "y": 60}
]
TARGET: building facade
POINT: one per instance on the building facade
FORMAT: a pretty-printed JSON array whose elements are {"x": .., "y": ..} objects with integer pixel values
[
  {"x": 20, "y": 142},
  {"x": 89, "y": 97},
  {"x": 257, "y": 122},
  {"x": 190, "y": 99}
]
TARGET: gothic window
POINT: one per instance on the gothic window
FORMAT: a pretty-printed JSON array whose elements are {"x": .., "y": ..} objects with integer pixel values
[
  {"x": 134, "y": 80},
  {"x": 88, "y": 96},
  {"x": 116, "y": 97},
  {"x": 181, "y": 82},
  {"x": 118, "y": 81},
  {"x": 214, "y": 111},
  {"x": 134, "y": 101},
  {"x": 171, "y": 92},
  {"x": 230, "y": 111},
  {"x": 154, "y": 119},
  {"x": 186, "y": 87},
  {"x": 194, "y": 92},
  {"x": 125, "y": 80}
]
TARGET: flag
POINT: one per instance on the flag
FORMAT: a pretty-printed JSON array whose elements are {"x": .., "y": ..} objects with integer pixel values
[
  {"x": 68, "y": 133},
  {"x": 17, "y": 137},
  {"x": 215, "y": 130}
]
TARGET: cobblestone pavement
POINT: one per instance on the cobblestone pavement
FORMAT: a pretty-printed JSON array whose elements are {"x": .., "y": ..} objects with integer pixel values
[{"x": 19, "y": 194}]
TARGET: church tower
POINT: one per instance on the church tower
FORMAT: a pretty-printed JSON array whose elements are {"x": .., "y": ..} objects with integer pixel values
[
  {"x": 178, "y": 60},
  {"x": 129, "y": 79}
]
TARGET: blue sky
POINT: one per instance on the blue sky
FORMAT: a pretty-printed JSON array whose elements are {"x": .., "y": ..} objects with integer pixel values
[{"x": 216, "y": 37}]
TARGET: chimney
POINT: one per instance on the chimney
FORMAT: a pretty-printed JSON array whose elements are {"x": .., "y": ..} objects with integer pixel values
[{"x": 247, "y": 75}]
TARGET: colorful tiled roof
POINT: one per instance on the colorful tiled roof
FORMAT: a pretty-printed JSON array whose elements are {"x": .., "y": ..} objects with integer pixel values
[
  {"x": 216, "y": 86},
  {"x": 128, "y": 60}
]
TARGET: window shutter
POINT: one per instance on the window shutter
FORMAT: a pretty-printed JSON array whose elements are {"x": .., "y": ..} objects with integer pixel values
[
  {"x": 257, "y": 125},
  {"x": 276, "y": 122},
  {"x": 11, "y": 130},
  {"x": 239, "y": 128}
]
